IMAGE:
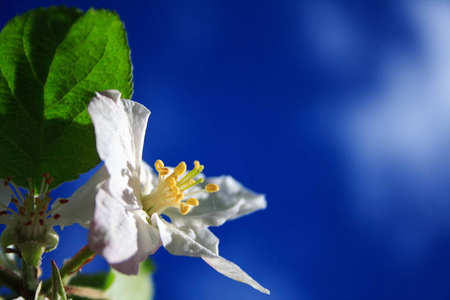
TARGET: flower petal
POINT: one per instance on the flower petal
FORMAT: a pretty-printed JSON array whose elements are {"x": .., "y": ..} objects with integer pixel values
[
  {"x": 178, "y": 243},
  {"x": 119, "y": 130},
  {"x": 232, "y": 201},
  {"x": 207, "y": 239},
  {"x": 81, "y": 205},
  {"x": 147, "y": 179},
  {"x": 120, "y": 235}
]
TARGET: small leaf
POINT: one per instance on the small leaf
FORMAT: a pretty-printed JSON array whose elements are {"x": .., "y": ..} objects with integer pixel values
[
  {"x": 58, "y": 291},
  {"x": 90, "y": 286},
  {"x": 51, "y": 63},
  {"x": 38, "y": 291},
  {"x": 100, "y": 281},
  {"x": 138, "y": 287},
  {"x": 85, "y": 293}
]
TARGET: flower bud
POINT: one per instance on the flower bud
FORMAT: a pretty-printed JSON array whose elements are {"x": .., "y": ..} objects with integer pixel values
[{"x": 31, "y": 249}]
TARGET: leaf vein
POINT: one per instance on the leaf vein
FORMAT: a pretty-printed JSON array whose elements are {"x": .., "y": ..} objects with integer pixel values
[
  {"x": 87, "y": 75},
  {"x": 15, "y": 145},
  {"x": 27, "y": 55},
  {"x": 17, "y": 99}
]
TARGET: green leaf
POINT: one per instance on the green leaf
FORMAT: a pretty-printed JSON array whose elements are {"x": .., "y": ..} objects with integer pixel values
[
  {"x": 90, "y": 286},
  {"x": 58, "y": 291},
  {"x": 117, "y": 285},
  {"x": 100, "y": 281},
  {"x": 51, "y": 63},
  {"x": 138, "y": 287}
]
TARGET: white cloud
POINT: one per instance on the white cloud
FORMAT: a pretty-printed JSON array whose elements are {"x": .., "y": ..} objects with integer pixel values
[
  {"x": 330, "y": 33},
  {"x": 397, "y": 137}
]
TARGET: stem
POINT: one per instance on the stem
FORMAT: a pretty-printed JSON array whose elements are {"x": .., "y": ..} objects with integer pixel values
[
  {"x": 82, "y": 257},
  {"x": 30, "y": 282},
  {"x": 72, "y": 265}
]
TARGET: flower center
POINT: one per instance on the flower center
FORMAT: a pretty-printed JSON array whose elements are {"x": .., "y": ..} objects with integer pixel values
[
  {"x": 31, "y": 211},
  {"x": 172, "y": 189}
]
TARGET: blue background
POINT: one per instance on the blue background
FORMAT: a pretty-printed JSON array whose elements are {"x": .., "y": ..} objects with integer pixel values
[{"x": 339, "y": 111}]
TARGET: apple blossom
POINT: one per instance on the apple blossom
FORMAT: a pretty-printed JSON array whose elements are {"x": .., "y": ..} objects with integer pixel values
[{"x": 127, "y": 225}]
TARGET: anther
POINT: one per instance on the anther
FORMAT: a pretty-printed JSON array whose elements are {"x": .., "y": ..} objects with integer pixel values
[
  {"x": 196, "y": 163},
  {"x": 63, "y": 201},
  {"x": 3, "y": 212},
  {"x": 14, "y": 200},
  {"x": 41, "y": 213},
  {"x": 212, "y": 188},
  {"x": 180, "y": 169},
  {"x": 41, "y": 221},
  {"x": 45, "y": 175},
  {"x": 192, "y": 201},
  {"x": 184, "y": 208},
  {"x": 159, "y": 164},
  {"x": 179, "y": 197},
  {"x": 57, "y": 216},
  {"x": 49, "y": 180},
  {"x": 175, "y": 190},
  {"x": 171, "y": 182},
  {"x": 27, "y": 223},
  {"x": 163, "y": 171}
]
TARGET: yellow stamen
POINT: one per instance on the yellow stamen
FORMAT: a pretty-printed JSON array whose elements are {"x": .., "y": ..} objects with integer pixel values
[
  {"x": 171, "y": 182},
  {"x": 192, "y": 201},
  {"x": 212, "y": 188},
  {"x": 175, "y": 190},
  {"x": 171, "y": 192},
  {"x": 192, "y": 182},
  {"x": 159, "y": 164},
  {"x": 180, "y": 169},
  {"x": 194, "y": 172},
  {"x": 179, "y": 197},
  {"x": 164, "y": 171},
  {"x": 184, "y": 208}
]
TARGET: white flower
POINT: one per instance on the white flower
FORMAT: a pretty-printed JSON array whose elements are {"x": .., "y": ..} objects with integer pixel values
[
  {"x": 30, "y": 219},
  {"x": 127, "y": 224}
]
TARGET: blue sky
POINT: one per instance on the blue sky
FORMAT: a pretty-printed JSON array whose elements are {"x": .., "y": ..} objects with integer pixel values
[{"x": 338, "y": 111}]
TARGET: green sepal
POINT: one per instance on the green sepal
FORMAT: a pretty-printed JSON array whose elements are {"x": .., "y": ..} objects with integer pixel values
[
  {"x": 32, "y": 250},
  {"x": 9, "y": 237},
  {"x": 51, "y": 240}
]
